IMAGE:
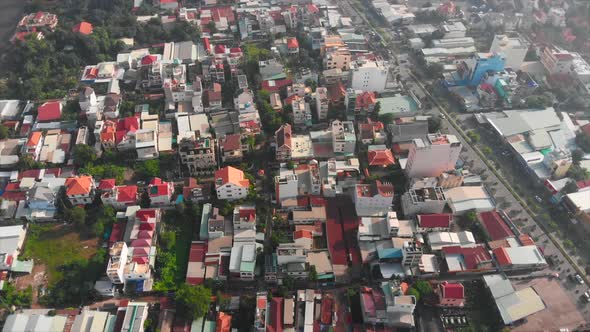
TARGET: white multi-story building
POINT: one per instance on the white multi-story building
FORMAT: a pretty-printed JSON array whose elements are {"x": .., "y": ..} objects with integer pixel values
[
  {"x": 286, "y": 186},
  {"x": 343, "y": 137},
  {"x": 117, "y": 261},
  {"x": 321, "y": 99},
  {"x": 369, "y": 75},
  {"x": 513, "y": 48},
  {"x": 231, "y": 184},
  {"x": 80, "y": 189},
  {"x": 373, "y": 199},
  {"x": 432, "y": 156},
  {"x": 301, "y": 113}
]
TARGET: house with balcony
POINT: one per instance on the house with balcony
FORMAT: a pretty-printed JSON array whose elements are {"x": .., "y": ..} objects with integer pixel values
[
  {"x": 231, "y": 184},
  {"x": 80, "y": 189},
  {"x": 198, "y": 155},
  {"x": 120, "y": 197},
  {"x": 160, "y": 192}
]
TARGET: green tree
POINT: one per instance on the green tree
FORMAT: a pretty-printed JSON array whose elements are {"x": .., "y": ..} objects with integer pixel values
[
  {"x": 423, "y": 287},
  {"x": 434, "y": 124},
  {"x": 76, "y": 215},
  {"x": 473, "y": 136},
  {"x": 486, "y": 150},
  {"x": 3, "y": 132},
  {"x": 467, "y": 220},
  {"x": 570, "y": 187},
  {"x": 583, "y": 142},
  {"x": 148, "y": 169},
  {"x": 386, "y": 118},
  {"x": 577, "y": 173},
  {"x": 84, "y": 154},
  {"x": 194, "y": 300},
  {"x": 538, "y": 101},
  {"x": 415, "y": 292},
  {"x": 313, "y": 274}
]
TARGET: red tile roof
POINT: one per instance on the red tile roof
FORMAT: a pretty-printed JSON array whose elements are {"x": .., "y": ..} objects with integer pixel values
[
  {"x": 49, "y": 111},
  {"x": 80, "y": 185},
  {"x": 106, "y": 184},
  {"x": 502, "y": 256},
  {"x": 381, "y": 158},
  {"x": 365, "y": 100},
  {"x": 472, "y": 256},
  {"x": 292, "y": 43},
  {"x": 34, "y": 138},
  {"x": 276, "y": 315},
  {"x": 12, "y": 186},
  {"x": 436, "y": 220},
  {"x": 230, "y": 174},
  {"x": 158, "y": 187},
  {"x": 495, "y": 225},
  {"x": 526, "y": 240},
  {"x": 452, "y": 290},
  {"x": 231, "y": 142},
  {"x": 84, "y": 28},
  {"x": 327, "y": 309},
  {"x": 127, "y": 194},
  {"x": 302, "y": 234},
  {"x": 149, "y": 59},
  {"x": 117, "y": 232},
  {"x": 275, "y": 85}
]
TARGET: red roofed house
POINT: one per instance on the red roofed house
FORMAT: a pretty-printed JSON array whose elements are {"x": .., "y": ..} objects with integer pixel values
[
  {"x": 120, "y": 197},
  {"x": 195, "y": 273},
  {"x": 37, "y": 20},
  {"x": 303, "y": 238},
  {"x": 380, "y": 156},
  {"x": 80, "y": 189},
  {"x": 119, "y": 135},
  {"x": 231, "y": 148},
  {"x": 327, "y": 310},
  {"x": 364, "y": 103},
  {"x": 106, "y": 184},
  {"x": 22, "y": 35},
  {"x": 373, "y": 198},
  {"x": 292, "y": 46},
  {"x": 160, "y": 192},
  {"x": 372, "y": 132},
  {"x": 84, "y": 28},
  {"x": 467, "y": 259},
  {"x": 275, "y": 85},
  {"x": 49, "y": 111},
  {"x": 283, "y": 140},
  {"x": 231, "y": 184},
  {"x": 275, "y": 315},
  {"x": 437, "y": 222},
  {"x": 34, "y": 144},
  {"x": 495, "y": 226},
  {"x": 451, "y": 294}
]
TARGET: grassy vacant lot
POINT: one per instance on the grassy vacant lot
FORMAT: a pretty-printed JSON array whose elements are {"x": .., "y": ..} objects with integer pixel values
[{"x": 57, "y": 245}]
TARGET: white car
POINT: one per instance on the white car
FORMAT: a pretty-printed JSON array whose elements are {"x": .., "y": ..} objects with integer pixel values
[
  {"x": 579, "y": 279},
  {"x": 587, "y": 296}
]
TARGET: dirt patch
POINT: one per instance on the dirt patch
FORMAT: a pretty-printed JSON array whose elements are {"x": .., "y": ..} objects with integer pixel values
[
  {"x": 57, "y": 245},
  {"x": 560, "y": 312},
  {"x": 37, "y": 279}
]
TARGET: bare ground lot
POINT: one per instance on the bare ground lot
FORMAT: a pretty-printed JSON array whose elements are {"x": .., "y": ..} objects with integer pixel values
[{"x": 560, "y": 313}]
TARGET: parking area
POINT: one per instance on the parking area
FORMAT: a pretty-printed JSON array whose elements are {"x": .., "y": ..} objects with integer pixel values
[{"x": 561, "y": 311}]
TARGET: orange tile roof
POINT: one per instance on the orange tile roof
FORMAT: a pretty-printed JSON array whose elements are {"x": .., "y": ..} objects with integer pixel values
[
  {"x": 34, "y": 138},
  {"x": 302, "y": 233},
  {"x": 79, "y": 185},
  {"x": 232, "y": 175},
  {"x": 84, "y": 28}
]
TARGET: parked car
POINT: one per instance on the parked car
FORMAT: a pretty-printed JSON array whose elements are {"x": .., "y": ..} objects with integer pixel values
[
  {"x": 579, "y": 279},
  {"x": 586, "y": 296}
]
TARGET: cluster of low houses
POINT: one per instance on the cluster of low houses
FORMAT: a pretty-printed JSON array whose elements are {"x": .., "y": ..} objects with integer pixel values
[{"x": 318, "y": 166}]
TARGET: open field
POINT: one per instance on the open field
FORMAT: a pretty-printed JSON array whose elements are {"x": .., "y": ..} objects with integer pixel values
[{"x": 56, "y": 245}]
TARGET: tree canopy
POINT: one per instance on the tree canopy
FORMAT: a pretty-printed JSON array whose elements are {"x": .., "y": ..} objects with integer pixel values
[
  {"x": 84, "y": 154},
  {"x": 194, "y": 299}
]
